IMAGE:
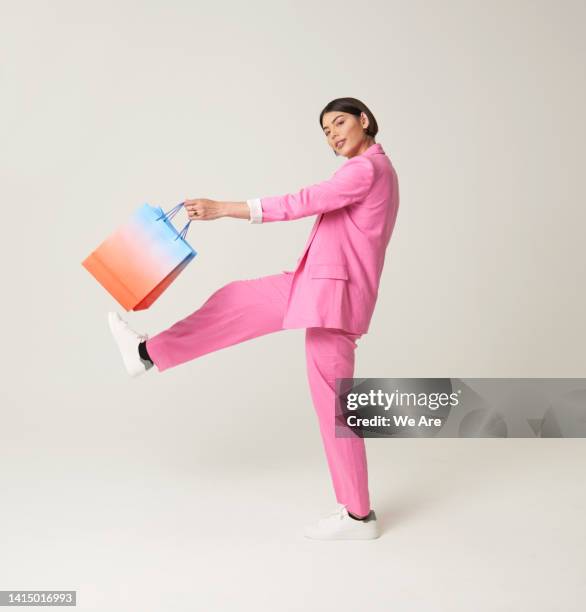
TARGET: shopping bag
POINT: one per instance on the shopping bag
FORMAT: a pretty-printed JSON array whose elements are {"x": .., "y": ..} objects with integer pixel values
[{"x": 142, "y": 257}]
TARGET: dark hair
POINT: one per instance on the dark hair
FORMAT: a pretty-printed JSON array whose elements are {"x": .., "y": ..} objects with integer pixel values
[{"x": 354, "y": 107}]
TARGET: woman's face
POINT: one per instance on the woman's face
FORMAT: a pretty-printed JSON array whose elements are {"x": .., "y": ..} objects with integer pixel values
[{"x": 345, "y": 133}]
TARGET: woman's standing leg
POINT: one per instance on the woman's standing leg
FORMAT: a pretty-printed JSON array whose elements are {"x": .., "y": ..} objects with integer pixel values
[
  {"x": 238, "y": 311},
  {"x": 330, "y": 355}
]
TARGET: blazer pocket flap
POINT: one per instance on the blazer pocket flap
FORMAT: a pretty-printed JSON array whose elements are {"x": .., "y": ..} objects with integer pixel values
[{"x": 328, "y": 271}]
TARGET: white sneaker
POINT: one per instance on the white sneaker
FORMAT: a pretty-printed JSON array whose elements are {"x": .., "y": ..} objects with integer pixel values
[
  {"x": 339, "y": 525},
  {"x": 128, "y": 341}
]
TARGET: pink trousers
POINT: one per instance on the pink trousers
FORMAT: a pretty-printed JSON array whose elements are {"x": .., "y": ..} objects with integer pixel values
[{"x": 245, "y": 309}]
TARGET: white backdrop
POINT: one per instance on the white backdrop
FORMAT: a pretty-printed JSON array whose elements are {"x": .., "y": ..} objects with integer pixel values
[{"x": 107, "y": 105}]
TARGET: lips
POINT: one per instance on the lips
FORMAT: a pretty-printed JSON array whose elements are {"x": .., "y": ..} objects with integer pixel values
[{"x": 340, "y": 143}]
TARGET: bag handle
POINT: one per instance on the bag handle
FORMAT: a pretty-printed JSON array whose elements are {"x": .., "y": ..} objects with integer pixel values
[{"x": 169, "y": 215}]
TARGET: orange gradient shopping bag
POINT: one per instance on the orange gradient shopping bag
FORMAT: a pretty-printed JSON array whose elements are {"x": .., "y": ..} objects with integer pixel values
[{"x": 141, "y": 258}]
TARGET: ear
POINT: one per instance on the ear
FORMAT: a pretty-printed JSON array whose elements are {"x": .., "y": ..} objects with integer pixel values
[{"x": 364, "y": 120}]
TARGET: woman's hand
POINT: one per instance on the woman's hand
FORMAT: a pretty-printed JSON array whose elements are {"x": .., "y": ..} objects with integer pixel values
[{"x": 202, "y": 209}]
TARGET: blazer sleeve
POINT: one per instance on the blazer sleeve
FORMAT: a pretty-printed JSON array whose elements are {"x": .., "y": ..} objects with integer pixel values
[{"x": 348, "y": 185}]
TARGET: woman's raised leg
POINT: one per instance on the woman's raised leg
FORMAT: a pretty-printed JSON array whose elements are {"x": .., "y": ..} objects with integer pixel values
[{"x": 238, "y": 311}]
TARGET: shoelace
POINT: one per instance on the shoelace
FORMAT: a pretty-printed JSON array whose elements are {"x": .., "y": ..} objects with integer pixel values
[
  {"x": 339, "y": 512},
  {"x": 141, "y": 337}
]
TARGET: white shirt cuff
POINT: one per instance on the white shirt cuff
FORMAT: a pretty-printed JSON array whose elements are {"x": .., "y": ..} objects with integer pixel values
[{"x": 255, "y": 210}]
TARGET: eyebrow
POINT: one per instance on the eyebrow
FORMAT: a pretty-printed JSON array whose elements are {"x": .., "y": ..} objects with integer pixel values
[{"x": 323, "y": 128}]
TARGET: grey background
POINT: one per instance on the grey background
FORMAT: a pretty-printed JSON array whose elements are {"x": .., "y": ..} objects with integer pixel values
[{"x": 192, "y": 481}]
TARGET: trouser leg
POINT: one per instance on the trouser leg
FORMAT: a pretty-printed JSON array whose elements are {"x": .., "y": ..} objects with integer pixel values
[
  {"x": 330, "y": 355},
  {"x": 238, "y": 311}
]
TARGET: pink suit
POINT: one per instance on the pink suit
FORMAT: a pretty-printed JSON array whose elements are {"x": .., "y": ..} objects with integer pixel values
[{"x": 331, "y": 293}]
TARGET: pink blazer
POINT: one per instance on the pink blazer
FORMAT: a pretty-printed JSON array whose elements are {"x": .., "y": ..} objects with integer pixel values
[{"x": 336, "y": 281}]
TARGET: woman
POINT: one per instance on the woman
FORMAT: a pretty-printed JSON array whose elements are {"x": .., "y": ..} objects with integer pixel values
[{"x": 331, "y": 293}]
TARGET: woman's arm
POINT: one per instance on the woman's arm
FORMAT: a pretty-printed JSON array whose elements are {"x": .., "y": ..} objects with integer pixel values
[
  {"x": 250, "y": 210},
  {"x": 349, "y": 185},
  {"x": 203, "y": 209},
  {"x": 238, "y": 210}
]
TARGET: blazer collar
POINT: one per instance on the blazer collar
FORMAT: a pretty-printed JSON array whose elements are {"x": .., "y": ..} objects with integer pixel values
[{"x": 374, "y": 149}]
